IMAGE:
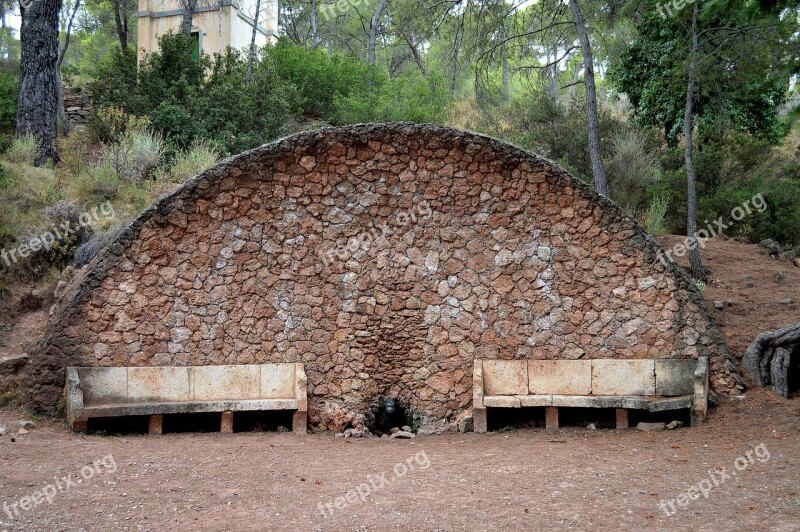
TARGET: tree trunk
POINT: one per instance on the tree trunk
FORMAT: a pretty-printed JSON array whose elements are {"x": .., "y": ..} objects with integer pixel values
[
  {"x": 696, "y": 267},
  {"x": 506, "y": 92},
  {"x": 315, "y": 39},
  {"x": 121, "y": 18},
  {"x": 504, "y": 63},
  {"x": 758, "y": 359},
  {"x": 779, "y": 370},
  {"x": 595, "y": 153},
  {"x": 373, "y": 31},
  {"x": 252, "y": 56},
  {"x": 38, "y": 97},
  {"x": 189, "y": 7},
  {"x": 412, "y": 44},
  {"x": 456, "y": 54}
]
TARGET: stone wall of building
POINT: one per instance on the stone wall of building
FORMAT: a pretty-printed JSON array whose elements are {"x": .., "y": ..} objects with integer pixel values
[{"x": 386, "y": 258}]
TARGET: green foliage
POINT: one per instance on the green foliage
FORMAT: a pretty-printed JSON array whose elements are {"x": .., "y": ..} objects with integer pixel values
[
  {"x": 739, "y": 87},
  {"x": 319, "y": 79},
  {"x": 191, "y": 101},
  {"x": 632, "y": 169},
  {"x": 23, "y": 150},
  {"x": 9, "y": 91},
  {"x": 95, "y": 184},
  {"x": 110, "y": 124},
  {"x": 701, "y": 286},
  {"x": 409, "y": 97},
  {"x": 115, "y": 85},
  {"x": 558, "y": 130},
  {"x": 12, "y": 399},
  {"x": 189, "y": 163},
  {"x": 654, "y": 217},
  {"x": 134, "y": 155}
]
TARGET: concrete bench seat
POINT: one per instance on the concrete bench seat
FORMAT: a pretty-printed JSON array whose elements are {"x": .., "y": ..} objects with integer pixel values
[
  {"x": 157, "y": 391},
  {"x": 651, "y": 385}
]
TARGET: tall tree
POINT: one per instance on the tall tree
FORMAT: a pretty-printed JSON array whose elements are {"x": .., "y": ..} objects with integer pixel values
[
  {"x": 38, "y": 96},
  {"x": 374, "y": 24},
  {"x": 189, "y": 9},
  {"x": 121, "y": 15},
  {"x": 598, "y": 171},
  {"x": 695, "y": 263},
  {"x": 252, "y": 52}
]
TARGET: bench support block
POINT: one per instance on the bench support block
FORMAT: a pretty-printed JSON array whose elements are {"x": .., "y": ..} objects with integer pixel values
[
  {"x": 622, "y": 418},
  {"x": 226, "y": 425},
  {"x": 479, "y": 420},
  {"x": 156, "y": 425},
  {"x": 551, "y": 417},
  {"x": 300, "y": 422}
]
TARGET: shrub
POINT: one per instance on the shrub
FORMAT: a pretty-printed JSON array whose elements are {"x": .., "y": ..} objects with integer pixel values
[
  {"x": 410, "y": 97},
  {"x": 189, "y": 163},
  {"x": 110, "y": 124},
  {"x": 24, "y": 150},
  {"x": 116, "y": 84},
  {"x": 631, "y": 170},
  {"x": 134, "y": 155},
  {"x": 9, "y": 92},
  {"x": 321, "y": 78},
  {"x": 654, "y": 217},
  {"x": 95, "y": 185}
]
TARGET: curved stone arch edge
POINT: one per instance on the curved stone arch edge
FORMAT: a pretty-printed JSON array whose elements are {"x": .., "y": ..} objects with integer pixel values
[{"x": 95, "y": 272}]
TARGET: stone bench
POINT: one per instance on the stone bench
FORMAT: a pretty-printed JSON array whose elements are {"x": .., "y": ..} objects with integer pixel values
[
  {"x": 652, "y": 385},
  {"x": 156, "y": 391}
]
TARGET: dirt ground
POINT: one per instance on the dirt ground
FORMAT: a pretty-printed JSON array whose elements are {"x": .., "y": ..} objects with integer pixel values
[{"x": 527, "y": 479}]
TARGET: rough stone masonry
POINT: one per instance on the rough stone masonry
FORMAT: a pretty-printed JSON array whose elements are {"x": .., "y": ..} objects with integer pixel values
[{"x": 386, "y": 258}]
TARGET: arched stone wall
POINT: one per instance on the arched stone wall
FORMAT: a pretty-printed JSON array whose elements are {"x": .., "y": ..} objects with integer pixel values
[{"x": 386, "y": 258}]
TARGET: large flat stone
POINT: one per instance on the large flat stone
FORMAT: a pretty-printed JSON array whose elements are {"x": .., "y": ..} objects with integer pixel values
[
  {"x": 562, "y": 377},
  {"x": 623, "y": 377},
  {"x": 505, "y": 377},
  {"x": 675, "y": 377},
  {"x": 673, "y": 403},
  {"x": 102, "y": 386},
  {"x": 220, "y": 383},
  {"x": 581, "y": 401},
  {"x": 501, "y": 401},
  {"x": 277, "y": 381},
  {"x": 169, "y": 384},
  {"x": 190, "y": 407},
  {"x": 535, "y": 400}
]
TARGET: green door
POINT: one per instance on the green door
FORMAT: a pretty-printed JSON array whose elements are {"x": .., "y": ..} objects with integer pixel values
[{"x": 196, "y": 47}]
